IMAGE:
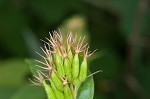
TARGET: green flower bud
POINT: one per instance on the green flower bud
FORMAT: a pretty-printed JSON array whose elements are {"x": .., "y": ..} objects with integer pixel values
[
  {"x": 76, "y": 82},
  {"x": 70, "y": 56},
  {"x": 67, "y": 68},
  {"x": 58, "y": 94},
  {"x": 75, "y": 66},
  {"x": 49, "y": 91},
  {"x": 57, "y": 81},
  {"x": 67, "y": 92},
  {"x": 83, "y": 70},
  {"x": 59, "y": 65}
]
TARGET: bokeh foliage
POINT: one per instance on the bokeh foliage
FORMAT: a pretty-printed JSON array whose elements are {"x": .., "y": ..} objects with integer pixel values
[{"x": 119, "y": 29}]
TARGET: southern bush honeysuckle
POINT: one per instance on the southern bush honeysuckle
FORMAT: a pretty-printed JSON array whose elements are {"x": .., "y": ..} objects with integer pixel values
[{"x": 64, "y": 70}]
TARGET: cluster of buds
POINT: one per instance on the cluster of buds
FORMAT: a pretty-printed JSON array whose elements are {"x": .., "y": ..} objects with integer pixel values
[{"x": 64, "y": 65}]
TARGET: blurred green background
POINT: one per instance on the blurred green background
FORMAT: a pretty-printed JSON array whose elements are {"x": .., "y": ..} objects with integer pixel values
[{"x": 119, "y": 29}]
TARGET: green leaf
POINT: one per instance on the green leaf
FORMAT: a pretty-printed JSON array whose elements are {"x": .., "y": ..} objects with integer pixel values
[{"x": 86, "y": 90}]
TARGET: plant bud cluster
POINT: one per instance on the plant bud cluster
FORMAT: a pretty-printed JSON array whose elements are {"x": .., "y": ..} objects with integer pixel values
[{"x": 64, "y": 66}]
